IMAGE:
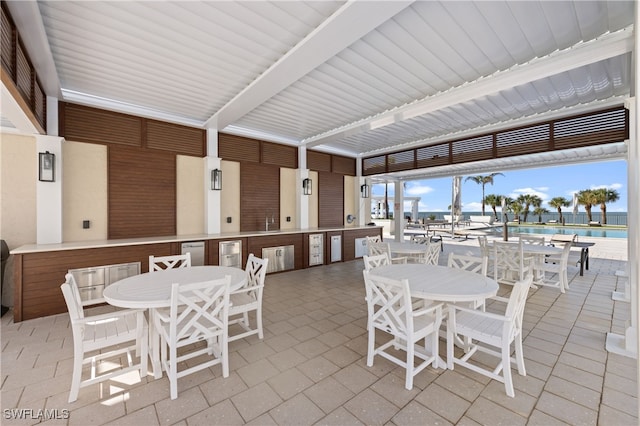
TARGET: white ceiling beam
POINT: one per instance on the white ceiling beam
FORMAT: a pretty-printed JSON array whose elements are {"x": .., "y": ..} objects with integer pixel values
[
  {"x": 605, "y": 47},
  {"x": 348, "y": 24},
  {"x": 28, "y": 20}
]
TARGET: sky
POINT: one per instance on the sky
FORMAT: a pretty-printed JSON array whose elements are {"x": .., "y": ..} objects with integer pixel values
[{"x": 547, "y": 183}]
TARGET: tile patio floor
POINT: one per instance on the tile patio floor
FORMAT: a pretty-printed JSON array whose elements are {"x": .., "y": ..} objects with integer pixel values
[{"x": 311, "y": 366}]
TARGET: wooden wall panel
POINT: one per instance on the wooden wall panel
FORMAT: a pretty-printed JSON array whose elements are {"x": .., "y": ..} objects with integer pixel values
[
  {"x": 280, "y": 155},
  {"x": 256, "y": 244},
  {"x": 6, "y": 48},
  {"x": 142, "y": 193},
  {"x": 175, "y": 138},
  {"x": 319, "y": 161},
  {"x": 330, "y": 199},
  {"x": 259, "y": 196},
  {"x": 343, "y": 165},
  {"x": 238, "y": 148},
  {"x": 84, "y": 124}
]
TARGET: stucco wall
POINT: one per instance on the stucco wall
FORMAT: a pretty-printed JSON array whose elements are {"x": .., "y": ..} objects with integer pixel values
[
  {"x": 189, "y": 195},
  {"x": 230, "y": 197}
]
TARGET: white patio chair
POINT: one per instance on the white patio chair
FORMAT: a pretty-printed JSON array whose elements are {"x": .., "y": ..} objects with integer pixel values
[
  {"x": 390, "y": 310},
  {"x": 532, "y": 239},
  {"x": 196, "y": 323},
  {"x": 552, "y": 271},
  {"x": 384, "y": 248},
  {"x": 101, "y": 337},
  {"x": 249, "y": 298},
  {"x": 432, "y": 255},
  {"x": 492, "y": 334},
  {"x": 374, "y": 261},
  {"x": 509, "y": 263},
  {"x": 160, "y": 263},
  {"x": 373, "y": 239},
  {"x": 487, "y": 251}
]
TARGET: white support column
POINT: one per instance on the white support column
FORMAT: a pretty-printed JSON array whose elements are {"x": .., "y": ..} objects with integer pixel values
[
  {"x": 302, "y": 201},
  {"x": 627, "y": 344},
  {"x": 49, "y": 194},
  {"x": 364, "y": 211},
  {"x": 398, "y": 211},
  {"x": 212, "y": 198}
]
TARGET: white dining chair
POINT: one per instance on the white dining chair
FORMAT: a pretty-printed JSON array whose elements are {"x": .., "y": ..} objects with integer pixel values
[
  {"x": 432, "y": 254},
  {"x": 104, "y": 337},
  {"x": 384, "y": 248},
  {"x": 249, "y": 298},
  {"x": 552, "y": 271},
  {"x": 160, "y": 263},
  {"x": 490, "y": 333},
  {"x": 196, "y": 323},
  {"x": 532, "y": 239},
  {"x": 374, "y": 261},
  {"x": 509, "y": 263},
  {"x": 390, "y": 310},
  {"x": 487, "y": 251}
]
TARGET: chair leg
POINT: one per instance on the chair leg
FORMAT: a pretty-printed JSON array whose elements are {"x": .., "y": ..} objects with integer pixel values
[
  {"x": 408, "y": 383},
  {"x": 172, "y": 372},
  {"x": 259, "y": 322},
  {"x": 77, "y": 373},
  {"x": 371, "y": 346},
  {"x": 519, "y": 356},
  {"x": 506, "y": 370}
]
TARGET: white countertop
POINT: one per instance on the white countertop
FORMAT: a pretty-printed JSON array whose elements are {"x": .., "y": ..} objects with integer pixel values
[{"x": 77, "y": 245}]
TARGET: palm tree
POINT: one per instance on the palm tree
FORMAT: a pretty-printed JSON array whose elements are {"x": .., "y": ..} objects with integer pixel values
[
  {"x": 493, "y": 201},
  {"x": 529, "y": 200},
  {"x": 558, "y": 203},
  {"x": 603, "y": 196},
  {"x": 507, "y": 204},
  {"x": 539, "y": 211},
  {"x": 483, "y": 180},
  {"x": 517, "y": 207},
  {"x": 587, "y": 199}
]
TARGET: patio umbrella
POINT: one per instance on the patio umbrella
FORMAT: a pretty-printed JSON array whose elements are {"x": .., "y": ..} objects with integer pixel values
[
  {"x": 575, "y": 206},
  {"x": 456, "y": 205}
]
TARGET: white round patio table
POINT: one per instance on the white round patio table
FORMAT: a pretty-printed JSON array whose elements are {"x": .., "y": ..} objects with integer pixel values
[
  {"x": 153, "y": 289},
  {"x": 440, "y": 283}
]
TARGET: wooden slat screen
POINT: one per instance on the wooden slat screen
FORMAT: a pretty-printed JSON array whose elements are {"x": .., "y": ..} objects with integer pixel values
[
  {"x": 432, "y": 155},
  {"x": 523, "y": 141},
  {"x": 85, "y": 124},
  {"x": 142, "y": 193},
  {"x": 23, "y": 74},
  {"x": 280, "y": 155},
  {"x": 403, "y": 160},
  {"x": 604, "y": 127},
  {"x": 175, "y": 138},
  {"x": 473, "y": 149},
  {"x": 6, "y": 48},
  {"x": 318, "y": 161},
  {"x": 330, "y": 199},
  {"x": 259, "y": 196},
  {"x": 595, "y": 128},
  {"x": 343, "y": 165},
  {"x": 238, "y": 148},
  {"x": 40, "y": 105}
]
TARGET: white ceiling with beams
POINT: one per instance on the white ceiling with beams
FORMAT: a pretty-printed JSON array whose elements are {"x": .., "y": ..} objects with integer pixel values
[{"x": 353, "y": 78}]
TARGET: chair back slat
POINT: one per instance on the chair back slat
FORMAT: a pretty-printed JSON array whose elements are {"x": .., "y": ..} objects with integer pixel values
[
  {"x": 468, "y": 263},
  {"x": 389, "y": 304},
  {"x": 160, "y": 263},
  {"x": 374, "y": 261},
  {"x": 432, "y": 256}
]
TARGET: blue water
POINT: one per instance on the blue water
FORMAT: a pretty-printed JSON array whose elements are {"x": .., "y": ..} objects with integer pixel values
[{"x": 582, "y": 232}]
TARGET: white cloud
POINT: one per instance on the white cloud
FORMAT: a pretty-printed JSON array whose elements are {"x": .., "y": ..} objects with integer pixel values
[
  {"x": 417, "y": 189},
  {"x": 474, "y": 207},
  {"x": 532, "y": 191},
  {"x": 610, "y": 186}
]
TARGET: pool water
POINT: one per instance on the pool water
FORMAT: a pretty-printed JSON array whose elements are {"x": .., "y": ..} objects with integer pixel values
[{"x": 581, "y": 232}]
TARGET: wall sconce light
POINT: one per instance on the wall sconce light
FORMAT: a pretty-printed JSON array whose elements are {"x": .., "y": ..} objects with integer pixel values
[
  {"x": 364, "y": 190},
  {"x": 216, "y": 179},
  {"x": 306, "y": 186},
  {"x": 47, "y": 167}
]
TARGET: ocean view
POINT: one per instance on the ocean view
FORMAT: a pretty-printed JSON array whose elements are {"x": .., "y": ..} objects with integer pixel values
[{"x": 613, "y": 218}]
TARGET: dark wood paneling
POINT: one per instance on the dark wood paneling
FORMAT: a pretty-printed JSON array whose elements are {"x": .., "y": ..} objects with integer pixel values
[
  {"x": 175, "y": 138},
  {"x": 280, "y": 155},
  {"x": 330, "y": 199},
  {"x": 259, "y": 196},
  {"x": 318, "y": 161},
  {"x": 238, "y": 148},
  {"x": 6, "y": 48},
  {"x": 349, "y": 241},
  {"x": 256, "y": 244},
  {"x": 343, "y": 165},
  {"x": 39, "y": 291},
  {"x": 93, "y": 125},
  {"x": 142, "y": 193}
]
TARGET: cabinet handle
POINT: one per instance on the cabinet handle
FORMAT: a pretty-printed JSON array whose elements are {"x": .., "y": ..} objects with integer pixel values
[
  {"x": 87, "y": 288},
  {"x": 90, "y": 272}
]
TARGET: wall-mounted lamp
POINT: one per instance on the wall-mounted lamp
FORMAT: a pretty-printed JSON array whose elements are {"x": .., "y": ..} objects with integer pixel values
[
  {"x": 47, "y": 167},
  {"x": 216, "y": 179},
  {"x": 364, "y": 190},
  {"x": 306, "y": 186}
]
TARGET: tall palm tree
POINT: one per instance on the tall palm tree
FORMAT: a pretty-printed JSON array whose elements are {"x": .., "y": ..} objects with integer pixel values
[
  {"x": 517, "y": 207},
  {"x": 603, "y": 196},
  {"x": 529, "y": 200},
  {"x": 558, "y": 203},
  {"x": 493, "y": 201},
  {"x": 507, "y": 209},
  {"x": 587, "y": 199},
  {"x": 539, "y": 211},
  {"x": 483, "y": 180}
]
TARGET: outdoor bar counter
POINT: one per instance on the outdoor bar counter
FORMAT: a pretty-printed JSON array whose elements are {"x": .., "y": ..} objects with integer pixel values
[{"x": 39, "y": 269}]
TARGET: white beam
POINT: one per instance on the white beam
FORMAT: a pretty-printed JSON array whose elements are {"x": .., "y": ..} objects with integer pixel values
[
  {"x": 607, "y": 46},
  {"x": 347, "y": 25}
]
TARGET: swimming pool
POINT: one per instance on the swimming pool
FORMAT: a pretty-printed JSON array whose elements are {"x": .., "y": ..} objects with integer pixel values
[{"x": 581, "y": 232}]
